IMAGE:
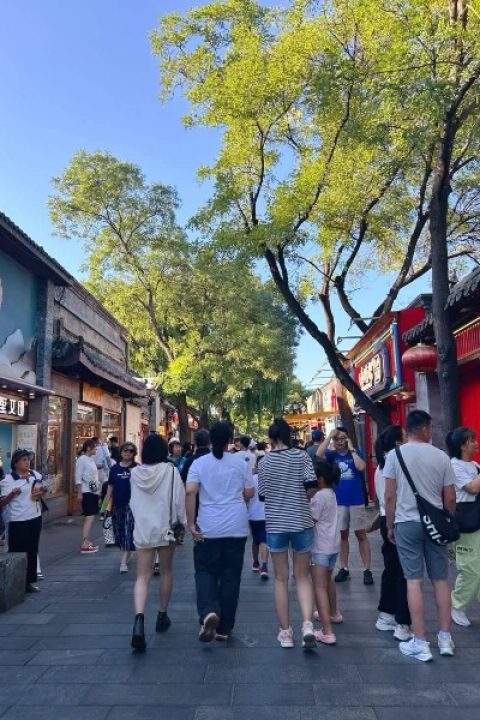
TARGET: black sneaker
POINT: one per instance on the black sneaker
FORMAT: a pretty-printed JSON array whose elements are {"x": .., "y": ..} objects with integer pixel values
[
  {"x": 342, "y": 575},
  {"x": 367, "y": 577},
  {"x": 163, "y": 622}
]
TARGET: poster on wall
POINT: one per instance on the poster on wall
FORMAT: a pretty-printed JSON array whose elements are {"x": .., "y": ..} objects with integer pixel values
[{"x": 26, "y": 437}]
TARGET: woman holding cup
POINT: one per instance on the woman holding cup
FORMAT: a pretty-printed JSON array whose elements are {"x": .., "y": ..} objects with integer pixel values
[{"x": 22, "y": 490}]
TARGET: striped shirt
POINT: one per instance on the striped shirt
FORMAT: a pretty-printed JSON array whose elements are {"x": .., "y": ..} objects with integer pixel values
[{"x": 281, "y": 475}]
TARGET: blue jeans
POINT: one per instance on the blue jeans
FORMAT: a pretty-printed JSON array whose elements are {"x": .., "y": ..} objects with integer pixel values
[{"x": 218, "y": 568}]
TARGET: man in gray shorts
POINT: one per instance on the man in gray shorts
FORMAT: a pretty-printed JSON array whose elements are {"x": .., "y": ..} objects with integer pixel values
[{"x": 434, "y": 479}]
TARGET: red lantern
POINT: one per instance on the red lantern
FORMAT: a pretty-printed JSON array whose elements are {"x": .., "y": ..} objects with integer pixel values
[{"x": 421, "y": 358}]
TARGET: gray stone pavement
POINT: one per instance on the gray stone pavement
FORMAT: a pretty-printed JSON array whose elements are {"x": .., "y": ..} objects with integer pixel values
[{"x": 64, "y": 653}]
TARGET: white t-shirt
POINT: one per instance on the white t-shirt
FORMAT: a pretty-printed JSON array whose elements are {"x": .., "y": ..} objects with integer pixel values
[
  {"x": 249, "y": 457},
  {"x": 256, "y": 508},
  {"x": 222, "y": 509},
  {"x": 431, "y": 471},
  {"x": 465, "y": 472},
  {"x": 380, "y": 489},
  {"x": 22, "y": 507},
  {"x": 86, "y": 475}
]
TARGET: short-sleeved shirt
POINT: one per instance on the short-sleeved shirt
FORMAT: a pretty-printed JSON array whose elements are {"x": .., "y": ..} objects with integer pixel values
[
  {"x": 465, "y": 472},
  {"x": 350, "y": 486},
  {"x": 119, "y": 479},
  {"x": 281, "y": 478},
  {"x": 222, "y": 508},
  {"x": 312, "y": 450},
  {"x": 326, "y": 539},
  {"x": 256, "y": 508},
  {"x": 431, "y": 471}
]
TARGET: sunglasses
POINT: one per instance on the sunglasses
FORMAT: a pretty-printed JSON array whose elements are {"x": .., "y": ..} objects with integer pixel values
[{"x": 130, "y": 450}]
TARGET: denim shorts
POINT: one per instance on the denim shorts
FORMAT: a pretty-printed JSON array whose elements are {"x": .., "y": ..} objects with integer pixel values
[
  {"x": 327, "y": 561},
  {"x": 300, "y": 541}
]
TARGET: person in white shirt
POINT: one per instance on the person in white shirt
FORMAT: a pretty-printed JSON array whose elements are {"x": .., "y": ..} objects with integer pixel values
[
  {"x": 393, "y": 612},
  {"x": 88, "y": 491},
  {"x": 223, "y": 484},
  {"x": 21, "y": 490},
  {"x": 256, "y": 519},
  {"x": 157, "y": 503},
  {"x": 462, "y": 445}
]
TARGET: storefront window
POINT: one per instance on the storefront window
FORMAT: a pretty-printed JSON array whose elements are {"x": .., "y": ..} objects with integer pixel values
[
  {"x": 56, "y": 445},
  {"x": 112, "y": 426},
  {"x": 87, "y": 414}
]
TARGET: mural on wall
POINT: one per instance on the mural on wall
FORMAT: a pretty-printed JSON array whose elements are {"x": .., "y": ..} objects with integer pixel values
[{"x": 17, "y": 322}]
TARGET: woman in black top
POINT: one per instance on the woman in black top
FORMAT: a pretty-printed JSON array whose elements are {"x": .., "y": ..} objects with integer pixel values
[{"x": 119, "y": 491}]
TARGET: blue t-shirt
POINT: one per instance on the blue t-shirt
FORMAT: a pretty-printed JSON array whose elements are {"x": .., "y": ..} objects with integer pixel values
[
  {"x": 350, "y": 486},
  {"x": 119, "y": 478}
]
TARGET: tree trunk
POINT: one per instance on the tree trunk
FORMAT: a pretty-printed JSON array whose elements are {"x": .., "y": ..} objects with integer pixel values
[
  {"x": 346, "y": 414},
  {"x": 447, "y": 367},
  {"x": 332, "y": 355},
  {"x": 181, "y": 403},
  {"x": 204, "y": 420}
]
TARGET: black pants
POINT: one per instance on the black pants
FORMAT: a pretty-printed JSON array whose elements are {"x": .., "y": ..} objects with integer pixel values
[
  {"x": 218, "y": 568},
  {"x": 24, "y": 536},
  {"x": 393, "y": 593}
]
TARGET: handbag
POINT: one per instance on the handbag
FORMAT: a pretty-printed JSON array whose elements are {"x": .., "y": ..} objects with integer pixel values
[
  {"x": 108, "y": 536},
  {"x": 438, "y": 524},
  {"x": 176, "y": 527}
]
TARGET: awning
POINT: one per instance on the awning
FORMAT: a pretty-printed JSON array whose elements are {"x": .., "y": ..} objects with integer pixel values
[
  {"x": 302, "y": 417},
  {"x": 80, "y": 360},
  {"x": 22, "y": 388}
]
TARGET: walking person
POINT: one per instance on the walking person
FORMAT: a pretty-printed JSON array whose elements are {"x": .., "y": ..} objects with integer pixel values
[
  {"x": 282, "y": 475},
  {"x": 325, "y": 549},
  {"x": 21, "y": 492},
  {"x": 350, "y": 499},
  {"x": 393, "y": 612},
  {"x": 88, "y": 491},
  {"x": 157, "y": 503},
  {"x": 202, "y": 447},
  {"x": 434, "y": 479},
  {"x": 223, "y": 485},
  {"x": 119, "y": 493},
  {"x": 256, "y": 519},
  {"x": 462, "y": 445}
]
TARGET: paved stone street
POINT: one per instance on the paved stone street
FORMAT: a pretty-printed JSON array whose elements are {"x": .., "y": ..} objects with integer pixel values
[{"x": 65, "y": 654}]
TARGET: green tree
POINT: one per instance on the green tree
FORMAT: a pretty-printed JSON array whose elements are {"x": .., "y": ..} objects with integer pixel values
[
  {"x": 331, "y": 117},
  {"x": 200, "y": 320}
]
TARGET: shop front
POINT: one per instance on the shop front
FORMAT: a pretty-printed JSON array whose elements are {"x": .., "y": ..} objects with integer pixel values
[{"x": 378, "y": 369}]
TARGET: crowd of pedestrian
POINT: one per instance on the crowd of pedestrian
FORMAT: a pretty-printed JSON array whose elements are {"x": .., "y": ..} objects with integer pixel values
[{"x": 298, "y": 504}]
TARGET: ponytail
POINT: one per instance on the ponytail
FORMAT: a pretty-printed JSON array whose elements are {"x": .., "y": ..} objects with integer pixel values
[
  {"x": 280, "y": 430},
  {"x": 220, "y": 436}
]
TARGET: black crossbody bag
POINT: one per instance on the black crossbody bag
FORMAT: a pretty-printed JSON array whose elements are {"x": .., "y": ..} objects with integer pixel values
[{"x": 439, "y": 526}]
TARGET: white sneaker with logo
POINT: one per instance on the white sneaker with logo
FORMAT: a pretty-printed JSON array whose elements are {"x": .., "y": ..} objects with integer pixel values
[
  {"x": 418, "y": 649},
  {"x": 285, "y": 638},
  {"x": 309, "y": 641},
  {"x": 385, "y": 622},
  {"x": 446, "y": 645},
  {"x": 402, "y": 633}
]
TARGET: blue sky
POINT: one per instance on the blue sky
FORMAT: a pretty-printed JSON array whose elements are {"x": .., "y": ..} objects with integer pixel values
[{"x": 80, "y": 74}]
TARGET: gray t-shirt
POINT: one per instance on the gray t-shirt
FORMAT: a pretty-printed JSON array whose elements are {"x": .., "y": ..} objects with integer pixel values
[
  {"x": 312, "y": 450},
  {"x": 431, "y": 471}
]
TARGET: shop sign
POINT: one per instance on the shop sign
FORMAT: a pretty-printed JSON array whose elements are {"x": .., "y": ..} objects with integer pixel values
[
  {"x": 12, "y": 408},
  {"x": 26, "y": 437},
  {"x": 96, "y": 396},
  {"x": 373, "y": 372}
]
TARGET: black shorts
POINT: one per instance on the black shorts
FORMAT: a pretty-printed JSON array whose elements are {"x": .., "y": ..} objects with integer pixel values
[
  {"x": 90, "y": 504},
  {"x": 259, "y": 534}
]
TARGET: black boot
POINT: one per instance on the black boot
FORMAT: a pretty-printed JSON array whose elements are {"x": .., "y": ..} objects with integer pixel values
[
  {"x": 163, "y": 622},
  {"x": 138, "y": 635}
]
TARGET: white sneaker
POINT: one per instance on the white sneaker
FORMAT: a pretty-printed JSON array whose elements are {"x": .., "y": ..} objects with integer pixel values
[
  {"x": 123, "y": 567},
  {"x": 309, "y": 641},
  {"x": 285, "y": 638},
  {"x": 385, "y": 622},
  {"x": 446, "y": 646},
  {"x": 402, "y": 633},
  {"x": 459, "y": 618},
  {"x": 418, "y": 649}
]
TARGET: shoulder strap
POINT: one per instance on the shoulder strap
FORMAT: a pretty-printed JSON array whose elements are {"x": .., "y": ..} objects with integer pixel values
[{"x": 405, "y": 471}]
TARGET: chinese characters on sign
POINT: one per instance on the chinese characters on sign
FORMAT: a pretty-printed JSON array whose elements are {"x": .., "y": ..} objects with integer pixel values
[
  {"x": 373, "y": 372},
  {"x": 12, "y": 408}
]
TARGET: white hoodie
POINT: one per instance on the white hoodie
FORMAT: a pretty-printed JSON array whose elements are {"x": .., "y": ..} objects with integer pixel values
[{"x": 152, "y": 506}]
